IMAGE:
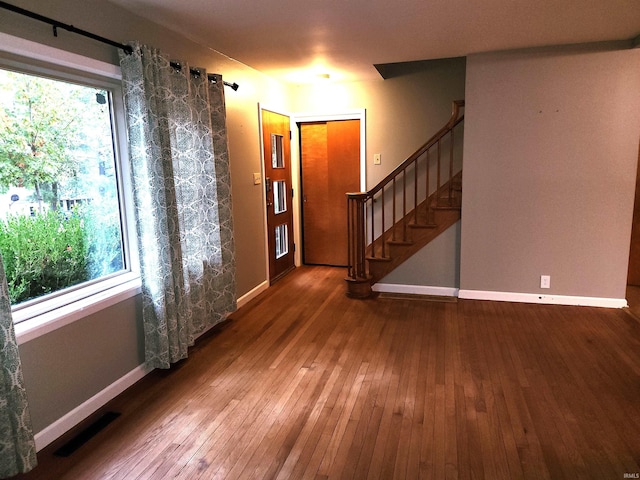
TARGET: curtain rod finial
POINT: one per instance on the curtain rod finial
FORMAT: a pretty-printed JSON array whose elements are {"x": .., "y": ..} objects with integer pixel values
[{"x": 234, "y": 86}]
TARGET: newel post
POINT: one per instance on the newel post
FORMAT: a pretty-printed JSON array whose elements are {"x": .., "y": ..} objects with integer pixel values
[{"x": 358, "y": 280}]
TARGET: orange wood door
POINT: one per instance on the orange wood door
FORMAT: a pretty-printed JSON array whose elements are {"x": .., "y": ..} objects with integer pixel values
[
  {"x": 277, "y": 188},
  {"x": 330, "y": 166}
]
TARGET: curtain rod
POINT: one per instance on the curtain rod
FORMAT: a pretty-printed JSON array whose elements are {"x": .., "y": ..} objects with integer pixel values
[
  {"x": 56, "y": 24},
  {"x": 196, "y": 73}
]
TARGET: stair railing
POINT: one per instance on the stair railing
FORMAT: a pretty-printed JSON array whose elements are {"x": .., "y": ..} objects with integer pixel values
[{"x": 380, "y": 216}]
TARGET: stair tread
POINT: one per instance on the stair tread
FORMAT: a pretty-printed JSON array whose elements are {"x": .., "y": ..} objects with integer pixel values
[
  {"x": 379, "y": 259},
  {"x": 399, "y": 242},
  {"x": 425, "y": 222}
]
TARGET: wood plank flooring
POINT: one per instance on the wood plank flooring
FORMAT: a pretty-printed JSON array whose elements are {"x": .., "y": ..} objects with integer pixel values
[{"x": 306, "y": 383}]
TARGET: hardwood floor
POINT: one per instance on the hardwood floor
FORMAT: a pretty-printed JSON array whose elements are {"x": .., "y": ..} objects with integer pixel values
[{"x": 306, "y": 383}]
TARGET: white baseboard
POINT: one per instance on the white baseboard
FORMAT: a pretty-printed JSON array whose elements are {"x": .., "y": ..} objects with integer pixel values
[
  {"x": 543, "y": 299},
  {"x": 81, "y": 412},
  {"x": 247, "y": 297},
  {"x": 415, "y": 289}
]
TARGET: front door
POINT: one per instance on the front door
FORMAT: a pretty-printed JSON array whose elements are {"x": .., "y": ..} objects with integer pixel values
[
  {"x": 330, "y": 167},
  {"x": 277, "y": 188}
]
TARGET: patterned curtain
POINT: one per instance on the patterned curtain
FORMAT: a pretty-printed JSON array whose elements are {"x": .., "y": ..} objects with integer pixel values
[
  {"x": 17, "y": 446},
  {"x": 182, "y": 194}
]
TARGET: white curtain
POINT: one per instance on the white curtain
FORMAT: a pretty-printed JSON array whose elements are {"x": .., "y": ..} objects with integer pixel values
[{"x": 182, "y": 193}]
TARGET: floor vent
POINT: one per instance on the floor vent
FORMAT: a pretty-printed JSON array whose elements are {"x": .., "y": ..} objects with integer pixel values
[{"x": 85, "y": 435}]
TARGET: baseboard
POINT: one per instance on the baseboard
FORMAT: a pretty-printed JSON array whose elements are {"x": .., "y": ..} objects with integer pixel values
[
  {"x": 253, "y": 293},
  {"x": 543, "y": 299},
  {"x": 415, "y": 289},
  {"x": 81, "y": 412}
]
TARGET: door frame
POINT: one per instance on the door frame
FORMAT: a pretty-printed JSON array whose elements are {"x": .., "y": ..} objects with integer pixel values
[
  {"x": 296, "y": 173},
  {"x": 359, "y": 114},
  {"x": 309, "y": 117}
]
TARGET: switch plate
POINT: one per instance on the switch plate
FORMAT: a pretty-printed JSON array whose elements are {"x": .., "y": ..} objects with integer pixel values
[
  {"x": 377, "y": 159},
  {"x": 257, "y": 179},
  {"x": 545, "y": 281}
]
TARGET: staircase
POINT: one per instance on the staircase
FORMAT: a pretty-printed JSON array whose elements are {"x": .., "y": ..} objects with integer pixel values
[{"x": 410, "y": 207}]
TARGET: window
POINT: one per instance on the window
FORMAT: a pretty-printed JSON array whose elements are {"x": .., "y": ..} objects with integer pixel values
[
  {"x": 63, "y": 229},
  {"x": 282, "y": 240},
  {"x": 279, "y": 196},
  {"x": 277, "y": 156}
]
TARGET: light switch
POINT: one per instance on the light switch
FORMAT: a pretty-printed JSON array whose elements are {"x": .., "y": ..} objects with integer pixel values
[
  {"x": 377, "y": 159},
  {"x": 257, "y": 179}
]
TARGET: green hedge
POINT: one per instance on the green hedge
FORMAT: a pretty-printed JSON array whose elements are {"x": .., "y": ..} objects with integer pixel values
[{"x": 43, "y": 254}]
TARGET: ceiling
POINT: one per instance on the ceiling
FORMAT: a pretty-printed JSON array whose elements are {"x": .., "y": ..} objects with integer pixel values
[{"x": 299, "y": 40}]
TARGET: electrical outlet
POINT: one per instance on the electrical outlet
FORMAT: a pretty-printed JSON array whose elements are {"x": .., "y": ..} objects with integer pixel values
[
  {"x": 545, "y": 281},
  {"x": 377, "y": 159}
]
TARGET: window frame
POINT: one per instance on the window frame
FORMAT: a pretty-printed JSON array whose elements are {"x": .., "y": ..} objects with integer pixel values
[{"x": 39, "y": 316}]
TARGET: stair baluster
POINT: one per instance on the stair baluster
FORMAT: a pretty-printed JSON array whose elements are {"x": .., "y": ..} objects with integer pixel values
[{"x": 366, "y": 207}]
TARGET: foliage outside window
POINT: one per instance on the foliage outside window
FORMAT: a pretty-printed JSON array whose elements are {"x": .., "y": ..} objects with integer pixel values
[{"x": 60, "y": 221}]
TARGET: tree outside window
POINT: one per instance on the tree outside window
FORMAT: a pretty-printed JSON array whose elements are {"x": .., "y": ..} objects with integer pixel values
[{"x": 60, "y": 221}]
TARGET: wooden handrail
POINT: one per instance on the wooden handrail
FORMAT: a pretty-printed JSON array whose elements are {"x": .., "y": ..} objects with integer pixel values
[
  {"x": 362, "y": 207},
  {"x": 451, "y": 123}
]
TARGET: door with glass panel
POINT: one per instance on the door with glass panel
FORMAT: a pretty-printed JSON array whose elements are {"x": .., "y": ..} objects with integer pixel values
[{"x": 277, "y": 189}]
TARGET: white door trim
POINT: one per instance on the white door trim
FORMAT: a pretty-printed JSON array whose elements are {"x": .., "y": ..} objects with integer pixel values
[
  {"x": 306, "y": 117},
  {"x": 295, "y": 118}
]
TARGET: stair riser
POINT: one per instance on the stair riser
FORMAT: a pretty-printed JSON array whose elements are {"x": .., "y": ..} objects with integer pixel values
[{"x": 397, "y": 254}]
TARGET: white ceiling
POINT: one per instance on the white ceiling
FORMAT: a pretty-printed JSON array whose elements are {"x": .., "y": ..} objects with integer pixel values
[{"x": 345, "y": 38}]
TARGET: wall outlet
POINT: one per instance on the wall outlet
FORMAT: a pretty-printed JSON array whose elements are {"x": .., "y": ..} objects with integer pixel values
[
  {"x": 545, "y": 281},
  {"x": 377, "y": 158}
]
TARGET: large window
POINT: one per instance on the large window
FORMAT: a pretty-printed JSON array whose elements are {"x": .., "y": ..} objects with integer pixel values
[{"x": 62, "y": 216}]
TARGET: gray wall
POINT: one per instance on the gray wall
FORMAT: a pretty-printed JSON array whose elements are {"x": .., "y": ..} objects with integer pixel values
[
  {"x": 435, "y": 265},
  {"x": 550, "y": 154},
  {"x": 71, "y": 364}
]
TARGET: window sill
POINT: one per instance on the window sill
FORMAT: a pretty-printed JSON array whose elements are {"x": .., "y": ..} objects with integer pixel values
[{"x": 30, "y": 325}]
